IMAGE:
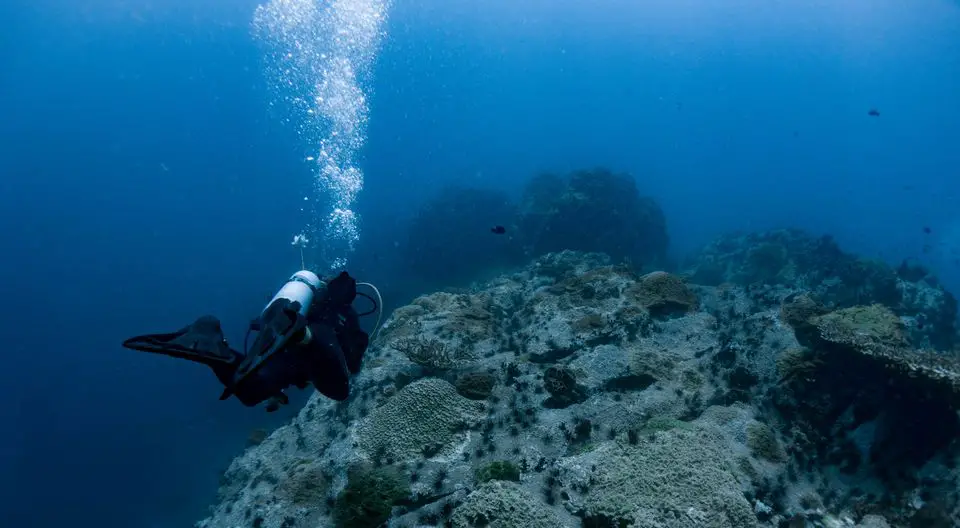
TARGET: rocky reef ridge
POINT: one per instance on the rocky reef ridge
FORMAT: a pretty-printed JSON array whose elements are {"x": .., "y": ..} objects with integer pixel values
[{"x": 576, "y": 392}]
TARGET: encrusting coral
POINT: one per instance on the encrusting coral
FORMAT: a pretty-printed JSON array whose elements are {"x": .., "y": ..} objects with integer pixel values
[{"x": 662, "y": 293}]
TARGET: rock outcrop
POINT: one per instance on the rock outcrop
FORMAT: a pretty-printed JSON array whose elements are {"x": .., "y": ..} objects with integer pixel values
[
  {"x": 817, "y": 265},
  {"x": 449, "y": 240},
  {"x": 577, "y": 393}
]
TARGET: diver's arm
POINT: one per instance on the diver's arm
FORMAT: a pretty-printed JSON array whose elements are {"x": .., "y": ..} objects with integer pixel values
[
  {"x": 325, "y": 363},
  {"x": 353, "y": 340}
]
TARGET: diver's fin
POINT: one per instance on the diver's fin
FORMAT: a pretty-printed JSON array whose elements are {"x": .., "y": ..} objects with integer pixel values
[{"x": 201, "y": 341}]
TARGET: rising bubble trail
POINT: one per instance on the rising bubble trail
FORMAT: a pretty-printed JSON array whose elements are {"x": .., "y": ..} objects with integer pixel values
[{"x": 320, "y": 54}]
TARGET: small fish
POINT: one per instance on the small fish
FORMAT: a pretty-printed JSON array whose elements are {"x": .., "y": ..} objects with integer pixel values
[
  {"x": 498, "y": 230},
  {"x": 874, "y": 112},
  {"x": 926, "y": 230}
]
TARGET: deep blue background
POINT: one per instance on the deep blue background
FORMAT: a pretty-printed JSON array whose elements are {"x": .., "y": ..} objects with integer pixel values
[{"x": 143, "y": 182}]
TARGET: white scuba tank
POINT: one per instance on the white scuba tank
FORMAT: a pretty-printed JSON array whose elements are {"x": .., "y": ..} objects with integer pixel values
[{"x": 302, "y": 287}]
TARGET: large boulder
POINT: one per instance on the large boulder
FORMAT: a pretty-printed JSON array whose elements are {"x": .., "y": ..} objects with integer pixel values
[
  {"x": 592, "y": 210},
  {"x": 794, "y": 257},
  {"x": 450, "y": 243}
]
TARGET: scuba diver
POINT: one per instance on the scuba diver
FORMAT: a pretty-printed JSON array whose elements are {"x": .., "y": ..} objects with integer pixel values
[{"x": 308, "y": 333}]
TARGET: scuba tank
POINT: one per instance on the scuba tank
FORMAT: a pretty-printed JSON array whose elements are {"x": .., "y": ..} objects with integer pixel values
[{"x": 302, "y": 287}]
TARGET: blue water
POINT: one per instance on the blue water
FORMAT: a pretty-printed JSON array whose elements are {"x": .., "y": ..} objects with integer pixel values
[{"x": 145, "y": 180}]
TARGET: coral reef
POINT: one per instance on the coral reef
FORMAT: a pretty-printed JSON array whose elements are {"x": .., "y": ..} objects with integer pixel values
[
  {"x": 682, "y": 478},
  {"x": 426, "y": 412},
  {"x": 368, "y": 498},
  {"x": 449, "y": 241},
  {"x": 763, "y": 443},
  {"x": 498, "y": 470},
  {"x": 865, "y": 400},
  {"x": 662, "y": 294},
  {"x": 562, "y": 385},
  {"x": 594, "y": 211},
  {"x": 476, "y": 385},
  {"x": 444, "y": 330},
  {"x": 795, "y": 259},
  {"x": 573, "y": 392},
  {"x": 504, "y": 505}
]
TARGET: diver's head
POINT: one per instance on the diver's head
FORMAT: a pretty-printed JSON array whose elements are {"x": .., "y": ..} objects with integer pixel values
[{"x": 342, "y": 289}]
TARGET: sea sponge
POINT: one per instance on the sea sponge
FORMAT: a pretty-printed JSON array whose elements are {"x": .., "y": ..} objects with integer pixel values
[{"x": 428, "y": 411}]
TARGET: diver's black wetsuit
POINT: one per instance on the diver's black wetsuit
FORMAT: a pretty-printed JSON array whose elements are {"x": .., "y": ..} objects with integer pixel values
[
  {"x": 326, "y": 350},
  {"x": 334, "y": 351}
]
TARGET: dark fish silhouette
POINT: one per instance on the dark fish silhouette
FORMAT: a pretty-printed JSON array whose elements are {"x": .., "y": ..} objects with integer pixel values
[
  {"x": 874, "y": 112},
  {"x": 926, "y": 230},
  {"x": 498, "y": 230}
]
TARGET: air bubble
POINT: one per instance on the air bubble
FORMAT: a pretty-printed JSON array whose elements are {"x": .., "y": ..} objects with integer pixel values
[{"x": 325, "y": 80}]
